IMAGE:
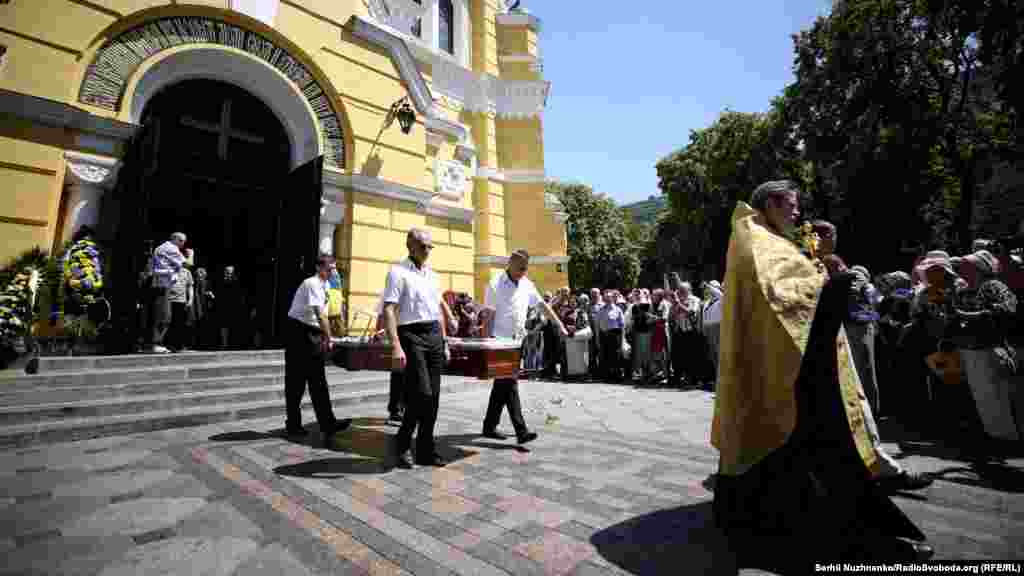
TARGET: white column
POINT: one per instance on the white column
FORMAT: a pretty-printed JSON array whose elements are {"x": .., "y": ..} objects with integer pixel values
[
  {"x": 332, "y": 213},
  {"x": 88, "y": 178}
]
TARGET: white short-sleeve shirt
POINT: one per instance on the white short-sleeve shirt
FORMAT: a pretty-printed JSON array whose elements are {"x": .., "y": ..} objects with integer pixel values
[
  {"x": 416, "y": 291},
  {"x": 312, "y": 293},
  {"x": 511, "y": 303}
]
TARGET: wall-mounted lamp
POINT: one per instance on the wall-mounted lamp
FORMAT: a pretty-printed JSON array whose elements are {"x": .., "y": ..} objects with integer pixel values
[{"x": 403, "y": 112}]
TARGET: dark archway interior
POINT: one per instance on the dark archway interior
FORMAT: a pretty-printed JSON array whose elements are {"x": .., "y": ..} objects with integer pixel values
[{"x": 221, "y": 157}]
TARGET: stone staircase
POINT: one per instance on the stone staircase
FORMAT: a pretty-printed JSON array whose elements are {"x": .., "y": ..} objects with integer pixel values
[{"x": 74, "y": 398}]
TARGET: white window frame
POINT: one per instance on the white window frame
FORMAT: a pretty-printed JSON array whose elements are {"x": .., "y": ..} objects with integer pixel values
[{"x": 426, "y": 47}]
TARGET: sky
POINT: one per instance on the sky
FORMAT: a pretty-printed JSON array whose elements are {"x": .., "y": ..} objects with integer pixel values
[{"x": 628, "y": 85}]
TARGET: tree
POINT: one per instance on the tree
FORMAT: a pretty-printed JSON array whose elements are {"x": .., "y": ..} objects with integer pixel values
[
  {"x": 721, "y": 165},
  {"x": 896, "y": 110},
  {"x": 601, "y": 251}
]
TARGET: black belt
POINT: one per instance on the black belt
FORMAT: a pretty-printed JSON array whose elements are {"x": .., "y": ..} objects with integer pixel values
[
  {"x": 306, "y": 326},
  {"x": 420, "y": 327}
]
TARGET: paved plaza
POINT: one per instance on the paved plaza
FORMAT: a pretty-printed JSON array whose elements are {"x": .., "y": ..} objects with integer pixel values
[{"x": 614, "y": 485}]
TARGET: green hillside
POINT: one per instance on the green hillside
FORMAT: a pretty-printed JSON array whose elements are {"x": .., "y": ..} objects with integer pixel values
[{"x": 646, "y": 211}]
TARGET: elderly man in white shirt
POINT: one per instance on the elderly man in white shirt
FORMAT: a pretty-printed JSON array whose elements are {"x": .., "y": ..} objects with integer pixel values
[
  {"x": 309, "y": 342},
  {"x": 413, "y": 310},
  {"x": 167, "y": 263},
  {"x": 508, "y": 299}
]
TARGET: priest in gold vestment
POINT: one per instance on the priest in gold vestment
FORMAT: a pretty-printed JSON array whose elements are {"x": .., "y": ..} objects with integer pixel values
[{"x": 795, "y": 458}]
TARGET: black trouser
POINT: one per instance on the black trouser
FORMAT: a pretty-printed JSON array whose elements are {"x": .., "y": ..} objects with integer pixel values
[
  {"x": 424, "y": 360},
  {"x": 611, "y": 352},
  {"x": 177, "y": 335},
  {"x": 505, "y": 392},
  {"x": 304, "y": 363},
  {"x": 396, "y": 404},
  {"x": 689, "y": 356},
  {"x": 551, "y": 349}
]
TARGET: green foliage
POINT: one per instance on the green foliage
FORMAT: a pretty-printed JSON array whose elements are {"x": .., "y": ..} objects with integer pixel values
[
  {"x": 703, "y": 181},
  {"x": 601, "y": 250},
  {"x": 646, "y": 212},
  {"x": 901, "y": 127}
]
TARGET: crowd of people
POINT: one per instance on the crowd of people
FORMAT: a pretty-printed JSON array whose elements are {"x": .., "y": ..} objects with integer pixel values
[{"x": 660, "y": 336}]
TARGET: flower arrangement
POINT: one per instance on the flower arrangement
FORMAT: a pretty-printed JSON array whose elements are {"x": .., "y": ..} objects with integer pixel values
[
  {"x": 15, "y": 308},
  {"x": 83, "y": 272}
]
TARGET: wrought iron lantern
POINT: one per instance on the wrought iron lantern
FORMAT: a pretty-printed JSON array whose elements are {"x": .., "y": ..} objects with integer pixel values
[{"x": 403, "y": 112}]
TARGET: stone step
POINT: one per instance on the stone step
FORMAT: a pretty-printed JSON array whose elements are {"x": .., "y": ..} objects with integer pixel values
[
  {"x": 52, "y": 364},
  {"x": 81, "y": 428},
  {"x": 107, "y": 376},
  {"x": 49, "y": 406}
]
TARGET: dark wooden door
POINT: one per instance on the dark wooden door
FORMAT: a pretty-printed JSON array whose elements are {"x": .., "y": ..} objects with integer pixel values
[
  {"x": 125, "y": 214},
  {"x": 298, "y": 229}
]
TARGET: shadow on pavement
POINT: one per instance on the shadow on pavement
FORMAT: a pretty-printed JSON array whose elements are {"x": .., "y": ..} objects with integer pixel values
[
  {"x": 247, "y": 436},
  {"x": 674, "y": 541},
  {"x": 478, "y": 441}
]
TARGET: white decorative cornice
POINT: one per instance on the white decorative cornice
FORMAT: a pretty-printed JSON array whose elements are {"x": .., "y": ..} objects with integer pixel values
[
  {"x": 263, "y": 10},
  {"x": 60, "y": 115},
  {"x": 538, "y": 260},
  {"x": 91, "y": 170},
  {"x": 536, "y": 63},
  {"x": 519, "y": 18},
  {"x": 396, "y": 191},
  {"x": 422, "y": 99},
  {"x": 488, "y": 94},
  {"x": 512, "y": 176}
]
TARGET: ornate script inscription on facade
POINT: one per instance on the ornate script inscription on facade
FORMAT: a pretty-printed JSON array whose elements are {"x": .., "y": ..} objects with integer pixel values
[{"x": 107, "y": 77}]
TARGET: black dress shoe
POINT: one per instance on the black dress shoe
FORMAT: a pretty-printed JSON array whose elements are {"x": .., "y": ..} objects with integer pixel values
[
  {"x": 494, "y": 434},
  {"x": 403, "y": 461},
  {"x": 527, "y": 437},
  {"x": 395, "y": 419},
  {"x": 905, "y": 481},
  {"x": 434, "y": 460},
  {"x": 342, "y": 425}
]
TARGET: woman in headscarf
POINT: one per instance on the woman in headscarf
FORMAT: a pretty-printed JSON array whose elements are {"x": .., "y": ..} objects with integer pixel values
[{"x": 986, "y": 312}]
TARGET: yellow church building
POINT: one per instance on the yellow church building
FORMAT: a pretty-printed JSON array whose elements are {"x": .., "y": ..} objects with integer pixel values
[{"x": 269, "y": 129}]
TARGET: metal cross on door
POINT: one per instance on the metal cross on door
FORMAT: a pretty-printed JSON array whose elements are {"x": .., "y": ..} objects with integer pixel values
[{"x": 224, "y": 130}]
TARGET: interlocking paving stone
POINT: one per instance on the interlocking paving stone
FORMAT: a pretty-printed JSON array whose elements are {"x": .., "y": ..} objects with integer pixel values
[
  {"x": 198, "y": 556},
  {"x": 126, "y": 496},
  {"x": 506, "y": 559},
  {"x": 556, "y": 552},
  {"x": 28, "y": 538},
  {"x": 274, "y": 560},
  {"x": 110, "y": 485},
  {"x": 154, "y": 536},
  {"x": 134, "y": 517},
  {"x": 218, "y": 519},
  {"x": 555, "y": 499},
  {"x": 85, "y": 555}
]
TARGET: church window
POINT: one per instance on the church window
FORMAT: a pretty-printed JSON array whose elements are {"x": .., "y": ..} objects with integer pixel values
[
  {"x": 417, "y": 27},
  {"x": 446, "y": 26}
]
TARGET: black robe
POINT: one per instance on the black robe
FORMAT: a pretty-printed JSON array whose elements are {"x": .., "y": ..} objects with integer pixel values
[{"x": 813, "y": 499}]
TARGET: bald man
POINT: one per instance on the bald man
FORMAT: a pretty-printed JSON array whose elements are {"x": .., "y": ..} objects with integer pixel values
[{"x": 413, "y": 310}]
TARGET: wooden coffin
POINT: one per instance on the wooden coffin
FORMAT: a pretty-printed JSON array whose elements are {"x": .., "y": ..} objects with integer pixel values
[{"x": 485, "y": 358}]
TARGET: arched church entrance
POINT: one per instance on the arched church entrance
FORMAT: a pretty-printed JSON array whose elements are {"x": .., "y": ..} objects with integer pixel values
[{"x": 213, "y": 161}]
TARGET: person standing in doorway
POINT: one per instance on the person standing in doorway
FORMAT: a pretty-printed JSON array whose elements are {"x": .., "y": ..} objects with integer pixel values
[
  {"x": 181, "y": 299},
  {"x": 309, "y": 343},
  {"x": 417, "y": 331},
  {"x": 509, "y": 297},
  {"x": 168, "y": 263}
]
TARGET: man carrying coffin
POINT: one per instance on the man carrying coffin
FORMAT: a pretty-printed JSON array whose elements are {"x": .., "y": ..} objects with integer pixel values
[
  {"x": 508, "y": 298},
  {"x": 413, "y": 318}
]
